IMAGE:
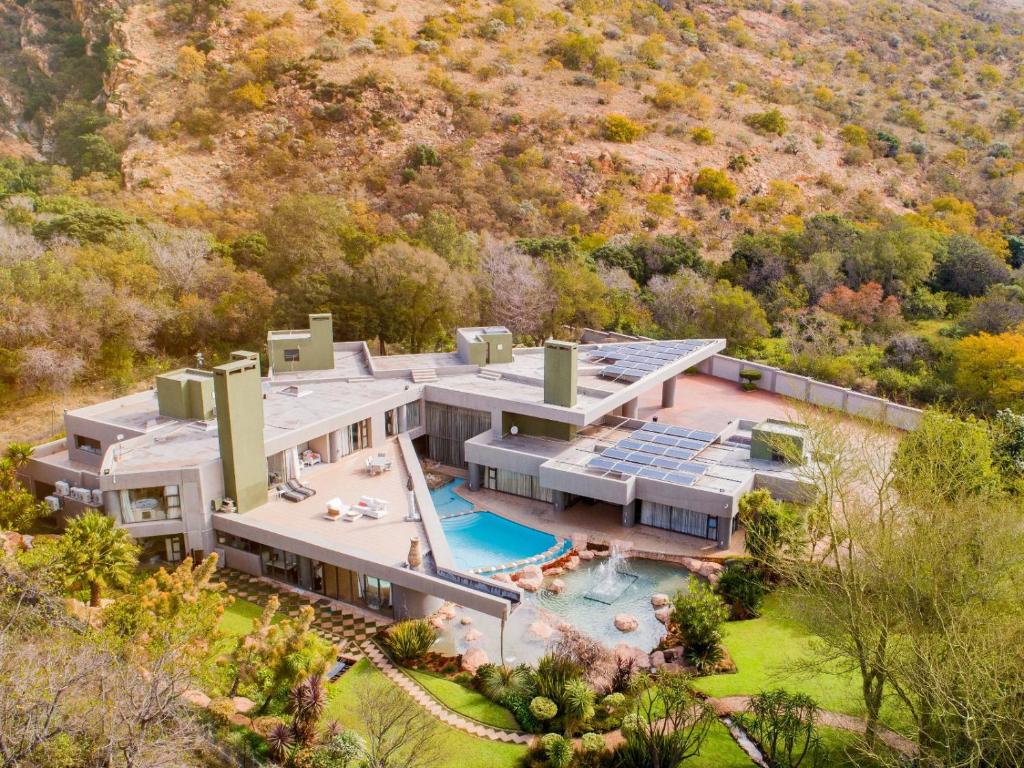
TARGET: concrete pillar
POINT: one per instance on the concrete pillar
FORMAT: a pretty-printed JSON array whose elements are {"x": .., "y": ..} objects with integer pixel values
[
  {"x": 378, "y": 435},
  {"x": 558, "y": 501},
  {"x": 475, "y": 474},
  {"x": 629, "y": 409},
  {"x": 411, "y": 604},
  {"x": 629, "y": 515},
  {"x": 403, "y": 423},
  {"x": 724, "y": 532},
  {"x": 668, "y": 393}
]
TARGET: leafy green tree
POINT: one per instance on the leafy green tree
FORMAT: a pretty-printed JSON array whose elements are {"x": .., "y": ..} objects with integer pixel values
[
  {"x": 771, "y": 530},
  {"x": 699, "y": 613},
  {"x": 945, "y": 457},
  {"x": 1008, "y": 436},
  {"x": 78, "y": 142},
  {"x": 968, "y": 268},
  {"x": 441, "y": 232},
  {"x": 19, "y": 509},
  {"x": 96, "y": 554},
  {"x": 734, "y": 314},
  {"x": 898, "y": 256}
]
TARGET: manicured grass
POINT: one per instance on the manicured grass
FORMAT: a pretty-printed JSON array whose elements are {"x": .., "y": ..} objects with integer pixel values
[
  {"x": 771, "y": 652},
  {"x": 719, "y": 751},
  {"x": 458, "y": 749},
  {"x": 238, "y": 618},
  {"x": 465, "y": 701}
]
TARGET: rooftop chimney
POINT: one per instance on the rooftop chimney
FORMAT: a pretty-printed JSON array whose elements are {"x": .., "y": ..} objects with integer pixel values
[
  {"x": 239, "y": 397},
  {"x": 560, "y": 364}
]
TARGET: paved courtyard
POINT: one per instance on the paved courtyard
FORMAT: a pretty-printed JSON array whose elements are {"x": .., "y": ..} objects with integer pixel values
[
  {"x": 344, "y": 625},
  {"x": 704, "y": 402}
]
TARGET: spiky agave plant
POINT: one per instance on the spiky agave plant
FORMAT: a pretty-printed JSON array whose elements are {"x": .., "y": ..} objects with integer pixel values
[
  {"x": 307, "y": 701},
  {"x": 279, "y": 741},
  {"x": 498, "y": 682}
]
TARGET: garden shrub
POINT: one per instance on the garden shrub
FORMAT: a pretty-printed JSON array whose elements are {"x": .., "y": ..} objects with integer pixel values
[
  {"x": 497, "y": 681},
  {"x": 702, "y": 135},
  {"x": 750, "y": 378},
  {"x": 575, "y": 50},
  {"x": 771, "y": 121},
  {"x": 698, "y": 613},
  {"x": 558, "y": 750},
  {"x": 621, "y": 129},
  {"x": 714, "y": 185},
  {"x": 543, "y": 708},
  {"x": 409, "y": 640},
  {"x": 784, "y": 726},
  {"x": 742, "y": 588}
]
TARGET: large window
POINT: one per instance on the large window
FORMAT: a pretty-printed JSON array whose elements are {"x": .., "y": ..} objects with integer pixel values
[
  {"x": 161, "y": 549},
  {"x": 291, "y": 355},
  {"x": 143, "y": 505},
  {"x": 88, "y": 444},
  {"x": 412, "y": 415}
]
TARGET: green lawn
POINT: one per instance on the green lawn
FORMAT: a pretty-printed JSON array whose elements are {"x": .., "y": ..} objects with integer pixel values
[
  {"x": 238, "y": 617},
  {"x": 720, "y": 751},
  {"x": 459, "y": 750},
  {"x": 768, "y": 652},
  {"x": 465, "y": 701}
]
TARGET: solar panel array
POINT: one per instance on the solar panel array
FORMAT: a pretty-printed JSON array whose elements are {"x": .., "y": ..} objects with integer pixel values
[
  {"x": 631, "y": 362},
  {"x": 658, "y": 452}
]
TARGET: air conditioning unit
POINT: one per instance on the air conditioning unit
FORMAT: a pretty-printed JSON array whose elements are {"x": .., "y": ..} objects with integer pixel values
[
  {"x": 53, "y": 503},
  {"x": 81, "y": 494},
  {"x": 97, "y": 497},
  {"x": 61, "y": 488}
]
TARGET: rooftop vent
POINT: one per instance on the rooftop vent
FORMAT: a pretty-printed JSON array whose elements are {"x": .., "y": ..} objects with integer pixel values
[{"x": 294, "y": 390}]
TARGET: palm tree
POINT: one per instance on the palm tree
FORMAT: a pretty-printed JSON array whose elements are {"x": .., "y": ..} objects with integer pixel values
[
  {"x": 94, "y": 553},
  {"x": 18, "y": 454}
]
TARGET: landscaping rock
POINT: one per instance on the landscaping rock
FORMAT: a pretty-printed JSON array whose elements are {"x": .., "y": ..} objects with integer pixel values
[
  {"x": 711, "y": 571},
  {"x": 626, "y": 623},
  {"x": 565, "y": 626},
  {"x": 663, "y": 615},
  {"x": 586, "y": 554},
  {"x": 446, "y": 612},
  {"x": 554, "y": 571},
  {"x": 473, "y": 636},
  {"x": 196, "y": 698},
  {"x": 533, "y": 570},
  {"x": 601, "y": 552},
  {"x": 437, "y": 622},
  {"x": 473, "y": 659},
  {"x": 624, "y": 652},
  {"x": 658, "y": 659},
  {"x": 674, "y": 654},
  {"x": 572, "y": 563},
  {"x": 465, "y": 621},
  {"x": 243, "y": 705},
  {"x": 531, "y": 583},
  {"x": 659, "y": 599},
  {"x": 541, "y": 630},
  {"x": 504, "y": 578},
  {"x": 556, "y": 587}
]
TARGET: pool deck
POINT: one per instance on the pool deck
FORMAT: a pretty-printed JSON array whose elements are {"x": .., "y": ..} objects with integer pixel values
[{"x": 600, "y": 523}]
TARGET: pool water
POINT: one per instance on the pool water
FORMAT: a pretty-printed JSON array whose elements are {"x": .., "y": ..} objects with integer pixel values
[
  {"x": 484, "y": 539},
  {"x": 594, "y": 594}
]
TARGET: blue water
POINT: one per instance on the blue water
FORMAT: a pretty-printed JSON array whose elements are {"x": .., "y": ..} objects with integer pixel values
[
  {"x": 448, "y": 502},
  {"x": 484, "y": 539}
]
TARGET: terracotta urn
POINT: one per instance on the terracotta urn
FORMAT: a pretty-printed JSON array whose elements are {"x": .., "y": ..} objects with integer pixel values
[{"x": 415, "y": 555}]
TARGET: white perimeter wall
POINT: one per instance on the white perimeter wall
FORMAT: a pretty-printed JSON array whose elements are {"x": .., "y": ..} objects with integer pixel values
[{"x": 816, "y": 392}]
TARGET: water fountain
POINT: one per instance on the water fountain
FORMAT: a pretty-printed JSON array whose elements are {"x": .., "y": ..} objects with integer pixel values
[{"x": 610, "y": 578}]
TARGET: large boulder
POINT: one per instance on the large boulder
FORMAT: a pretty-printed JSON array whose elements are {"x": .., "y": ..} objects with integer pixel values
[
  {"x": 556, "y": 587},
  {"x": 586, "y": 554},
  {"x": 473, "y": 635},
  {"x": 624, "y": 622},
  {"x": 504, "y": 578},
  {"x": 659, "y": 599},
  {"x": 437, "y": 622},
  {"x": 625, "y": 652},
  {"x": 446, "y": 611},
  {"x": 196, "y": 698},
  {"x": 473, "y": 659},
  {"x": 540, "y": 630},
  {"x": 533, "y": 570},
  {"x": 711, "y": 571},
  {"x": 531, "y": 582},
  {"x": 243, "y": 705},
  {"x": 663, "y": 615},
  {"x": 658, "y": 659}
]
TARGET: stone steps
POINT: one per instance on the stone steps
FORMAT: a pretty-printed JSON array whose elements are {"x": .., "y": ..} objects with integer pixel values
[{"x": 424, "y": 375}]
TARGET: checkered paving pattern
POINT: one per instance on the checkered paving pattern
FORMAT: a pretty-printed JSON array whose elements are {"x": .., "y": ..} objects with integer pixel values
[{"x": 343, "y": 626}]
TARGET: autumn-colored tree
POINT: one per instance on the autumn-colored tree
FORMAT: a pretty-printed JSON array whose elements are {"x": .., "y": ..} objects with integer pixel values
[
  {"x": 990, "y": 369},
  {"x": 863, "y": 307}
]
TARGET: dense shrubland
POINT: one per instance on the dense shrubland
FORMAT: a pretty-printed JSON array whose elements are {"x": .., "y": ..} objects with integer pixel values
[{"x": 845, "y": 204}]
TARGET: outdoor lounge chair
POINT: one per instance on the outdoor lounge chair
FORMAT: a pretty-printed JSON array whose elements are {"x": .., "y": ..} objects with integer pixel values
[
  {"x": 287, "y": 493},
  {"x": 303, "y": 490}
]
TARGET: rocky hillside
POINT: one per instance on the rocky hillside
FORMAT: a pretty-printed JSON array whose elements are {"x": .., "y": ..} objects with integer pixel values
[{"x": 536, "y": 117}]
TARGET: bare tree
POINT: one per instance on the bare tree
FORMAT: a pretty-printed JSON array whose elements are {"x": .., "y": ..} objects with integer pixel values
[
  {"x": 49, "y": 368},
  {"x": 399, "y": 733},
  {"x": 518, "y": 294},
  {"x": 179, "y": 256}
]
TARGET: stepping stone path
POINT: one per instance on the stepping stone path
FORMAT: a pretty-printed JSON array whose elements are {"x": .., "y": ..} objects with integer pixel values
[
  {"x": 434, "y": 707},
  {"x": 345, "y": 627}
]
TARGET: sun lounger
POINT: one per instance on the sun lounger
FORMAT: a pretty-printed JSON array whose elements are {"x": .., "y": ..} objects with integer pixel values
[
  {"x": 287, "y": 493},
  {"x": 303, "y": 490}
]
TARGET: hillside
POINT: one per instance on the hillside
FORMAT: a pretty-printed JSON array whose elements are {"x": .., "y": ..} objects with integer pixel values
[{"x": 277, "y": 95}]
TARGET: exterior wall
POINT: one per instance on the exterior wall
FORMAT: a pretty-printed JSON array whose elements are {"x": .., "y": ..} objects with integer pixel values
[
  {"x": 531, "y": 425},
  {"x": 448, "y": 428},
  {"x": 819, "y": 393},
  {"x": 106, "y": 434},
  {"x": 316, "y": 350},
  {"x": 239, "y": 392},
  {"x": 766, "y": 442},
  {"x": 499, "y": 347},
  {"x": 185, "y": 394},
  {"x": 240, "y": 560},
  {"x": 561, "y": 361}
]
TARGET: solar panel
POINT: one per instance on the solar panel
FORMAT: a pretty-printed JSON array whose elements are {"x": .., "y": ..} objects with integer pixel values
[
  {"x": 627, "y": 469},
  {"x": 654, "y": 427},
  {"x": 693, "y": 467},
  {"x": 678, "y": 431},
  {"x": 646, "y": 437},
  {"x": 679, "y": 453},
  {"x": 689, "y": 442},
  {"x": 599, "y": 462},
  {"x": 651, "y": 473},
  {"x": 706, "y": 437},
  {"x": 631, "y": 445},
  {"x": 615, "y": 453},
  {"x": 640, "y": 458},
  {"x": 680, "y": 478},
  {"x": 666, "y": 462},
  {"x": 666, "y": 440},
  {"x": 653, "y": 448}
]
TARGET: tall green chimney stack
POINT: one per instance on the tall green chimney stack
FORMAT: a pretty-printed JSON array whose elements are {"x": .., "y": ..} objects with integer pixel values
[
  {"x": 560, "y": 364},
  {"x": 238, "y": 391}
]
